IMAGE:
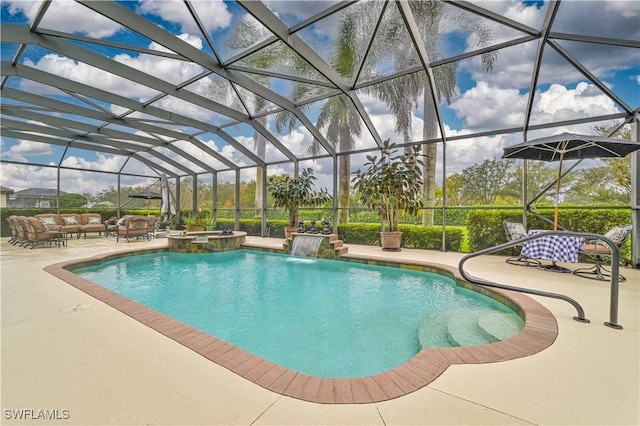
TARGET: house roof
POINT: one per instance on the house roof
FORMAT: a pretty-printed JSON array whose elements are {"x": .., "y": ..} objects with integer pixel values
[{"x": 38, "y": 192}]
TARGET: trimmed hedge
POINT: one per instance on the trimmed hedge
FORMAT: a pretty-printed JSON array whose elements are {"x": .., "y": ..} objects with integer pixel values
[
  {"x": 486, "y": 230},
  {"x": 484, "y": 226},
  {"x": 413, "y": 236}
]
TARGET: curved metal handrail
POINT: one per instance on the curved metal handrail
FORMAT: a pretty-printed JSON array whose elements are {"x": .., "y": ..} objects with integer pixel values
[{"x": 615, "y": 270}]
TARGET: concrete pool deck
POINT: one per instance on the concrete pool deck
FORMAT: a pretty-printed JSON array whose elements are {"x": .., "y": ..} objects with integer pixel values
[{"x": 64, "y": 350}]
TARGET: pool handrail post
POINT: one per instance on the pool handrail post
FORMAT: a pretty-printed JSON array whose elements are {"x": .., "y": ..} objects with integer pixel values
[
  {"x": 615, "y": 274},
  {"x": 615, "y": 270}
]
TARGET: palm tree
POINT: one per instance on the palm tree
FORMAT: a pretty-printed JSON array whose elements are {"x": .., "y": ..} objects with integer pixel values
[
  {"x": 338, "y": 116},
  {"x": 248, "y": 33},
  {"x": 341, "y": 120},
  {"x": 401, "y": 93}
]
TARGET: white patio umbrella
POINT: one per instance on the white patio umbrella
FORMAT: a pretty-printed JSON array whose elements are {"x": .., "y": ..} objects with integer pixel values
[{"x": 166, "y": 209}]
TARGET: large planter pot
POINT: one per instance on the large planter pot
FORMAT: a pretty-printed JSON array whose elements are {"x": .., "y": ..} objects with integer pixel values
[{"x": 390, "y": 241}]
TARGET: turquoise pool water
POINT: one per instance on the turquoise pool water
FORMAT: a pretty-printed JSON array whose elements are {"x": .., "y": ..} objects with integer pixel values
[{"x": 322, "y": 317}]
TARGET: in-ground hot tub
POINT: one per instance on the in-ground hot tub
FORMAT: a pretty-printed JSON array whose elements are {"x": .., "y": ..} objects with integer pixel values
[{"x": 205, "y": 241}]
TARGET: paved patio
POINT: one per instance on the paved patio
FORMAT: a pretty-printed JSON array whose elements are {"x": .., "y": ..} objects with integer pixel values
[{"x": 87, "y": 363}]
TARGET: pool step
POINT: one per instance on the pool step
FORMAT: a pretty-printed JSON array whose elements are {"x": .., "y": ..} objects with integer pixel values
[
  {"x": 501, "y": 325},
  {"x": 464, "y": 330},
  {"x": 467, "y": 328},
  {"x": 432, "y": 332}
]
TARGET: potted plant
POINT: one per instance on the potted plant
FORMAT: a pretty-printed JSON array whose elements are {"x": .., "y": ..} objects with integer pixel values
[
  {"x": 291, "y": 193},
  {"x": 391, "y": 184},
  {"x": 201, "y": 222},
  {"x": 194, "y": 224}
]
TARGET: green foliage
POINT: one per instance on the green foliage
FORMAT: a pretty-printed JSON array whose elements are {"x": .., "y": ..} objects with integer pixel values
[
  {"x": 365, "y": 216},
  {"x": 391, "y": 184},
  {"x": 413, "y": 236},
  {"x": 70, "y": 201},
  {"x": 486, "y": 230},
  {"x": 291, "y": 193},
  {"x": 360, "y": 233},
  {"x": 457, "y": 217},
  {"x": 198, "y": 223},
  {"x": 483, "y": 183},
  {"x": 610, "y": 184},
  {"x": 430, "y": 238}
]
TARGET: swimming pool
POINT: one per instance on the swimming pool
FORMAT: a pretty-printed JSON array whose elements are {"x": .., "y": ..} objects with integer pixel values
[
  {"x": 539, "y": 332},
  {"x": 321, "y": 317}
]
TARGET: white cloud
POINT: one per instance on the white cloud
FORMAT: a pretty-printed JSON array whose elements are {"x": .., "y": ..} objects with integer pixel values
[
  {"x": 488, "y": 108},
  {"x": 484, "y": 107},
  {"x": 465, "y": 153},
  {"x": 170, "y": 70},
  {"x": 195, "y": 41},
  {"x": 67, "y": 16},
  {"x": 86, "y": 74},
  {"x": 213, "y": 14},
  {"x": 19, "y": 177},
  {"x": 513, "y": 67},
  {"x": 24, "y": 148},
  {"x": 228, "y": 152},
  {"x": 559, "y": 103},
  {"x": 102, "y": 163}
]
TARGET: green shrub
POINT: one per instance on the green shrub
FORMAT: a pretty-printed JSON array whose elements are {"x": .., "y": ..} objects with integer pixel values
[
  {"x": 486, "y": 230},
  {"x": 413, "y": 236}
]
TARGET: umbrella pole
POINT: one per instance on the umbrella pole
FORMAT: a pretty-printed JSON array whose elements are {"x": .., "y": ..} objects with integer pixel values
[{"x": 556, "y": 209}]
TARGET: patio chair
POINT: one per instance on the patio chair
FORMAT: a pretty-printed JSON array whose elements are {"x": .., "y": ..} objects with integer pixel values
[
  {"x": 21, "y": 229},
  {"x": 130, "y": 226},
  {"x": 597, "y": 250},
  {"x": 18, "y": 233},
  {"x": 37, "y": 235},
  {"x": 151, "y": 226},
  {"x": 15, "y": 237},
  {"x": 515, "y": 231}
]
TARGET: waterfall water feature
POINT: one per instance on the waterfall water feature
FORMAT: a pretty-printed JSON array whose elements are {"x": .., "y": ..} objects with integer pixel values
[{"x": 306, "y": 245}]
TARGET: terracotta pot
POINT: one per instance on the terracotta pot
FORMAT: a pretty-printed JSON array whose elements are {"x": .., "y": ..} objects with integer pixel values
[{"x": 390, "y": 241}]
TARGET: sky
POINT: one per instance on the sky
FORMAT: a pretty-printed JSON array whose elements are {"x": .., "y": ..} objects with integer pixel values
[{"x": 483, "y": 102}]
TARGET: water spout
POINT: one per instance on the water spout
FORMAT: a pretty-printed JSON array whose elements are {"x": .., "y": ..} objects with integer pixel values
[{"x": 306, "y": 245}]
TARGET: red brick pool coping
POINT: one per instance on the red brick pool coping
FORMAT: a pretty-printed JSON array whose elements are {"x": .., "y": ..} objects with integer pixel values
[{"x": 539, "y": 332}]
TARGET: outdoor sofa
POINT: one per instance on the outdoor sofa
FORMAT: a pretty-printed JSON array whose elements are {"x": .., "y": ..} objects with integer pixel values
[{"x": 73, "y": 223}]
